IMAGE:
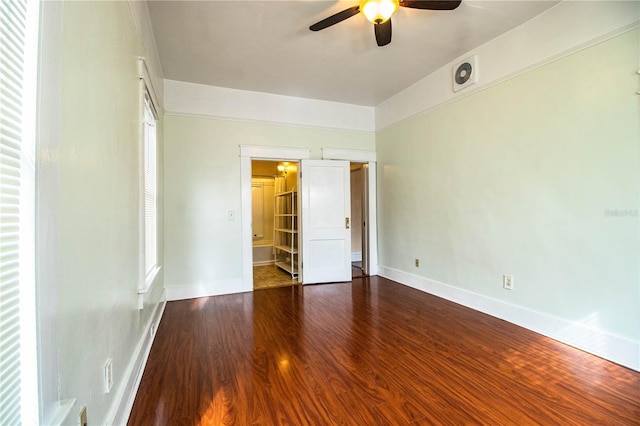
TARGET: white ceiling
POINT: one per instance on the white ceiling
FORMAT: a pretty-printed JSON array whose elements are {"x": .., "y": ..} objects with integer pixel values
[{"x": 266, "y": 46}]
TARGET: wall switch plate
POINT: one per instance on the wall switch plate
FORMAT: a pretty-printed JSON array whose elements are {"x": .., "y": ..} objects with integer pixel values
[
  {"x": 231, "y": 215},
  {"x": 108, "y": 375},
  {"x": 507, "y": 282}
]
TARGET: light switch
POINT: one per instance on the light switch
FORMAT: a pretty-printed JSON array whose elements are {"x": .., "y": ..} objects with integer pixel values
[{"x": 231, "y": 215}]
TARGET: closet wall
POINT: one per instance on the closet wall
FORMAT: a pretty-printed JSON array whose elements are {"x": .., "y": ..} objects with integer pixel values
[
  {"x": 262, "y": 192},
  {"x": 266, "y": 181},
  {"x": 356, "y": 212}
]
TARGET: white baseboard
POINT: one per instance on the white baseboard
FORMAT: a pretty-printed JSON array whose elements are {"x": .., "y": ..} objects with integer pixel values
[
  {"x": 356, "y": 257},
  {"x": 60, "y": 413},
  {"x": 597, "y": 342},
  {"x": 194, "y": 290},
  {"x": 264, "y": 263},
  {"x": 127, "y": 394}
]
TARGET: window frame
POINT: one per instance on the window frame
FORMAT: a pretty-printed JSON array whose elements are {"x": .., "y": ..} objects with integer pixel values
[
  {"x": 148, "y": 121},
  {"x": 150, "y": 172}
]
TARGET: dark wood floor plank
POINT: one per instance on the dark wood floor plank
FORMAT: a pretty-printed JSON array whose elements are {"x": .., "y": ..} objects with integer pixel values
[{"x": 363, "y": 353}]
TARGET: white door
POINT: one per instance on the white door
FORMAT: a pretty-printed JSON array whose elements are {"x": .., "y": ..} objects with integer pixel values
[{"x": 326, "y": 221}]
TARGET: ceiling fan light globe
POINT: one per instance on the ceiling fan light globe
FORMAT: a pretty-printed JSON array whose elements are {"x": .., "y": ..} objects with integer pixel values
[{"x": 378, "y": 11}]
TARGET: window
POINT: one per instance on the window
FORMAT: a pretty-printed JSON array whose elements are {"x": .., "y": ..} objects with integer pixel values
[
  {"x": 148, "y": 237},
  {"x": 150, "y": 191},
  {"x": 18, "y": 51}
]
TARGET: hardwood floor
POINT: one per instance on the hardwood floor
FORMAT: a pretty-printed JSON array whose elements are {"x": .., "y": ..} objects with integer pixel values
[
  {"x": 370, "y": 352},
  {"x": 356, "y": 270}
]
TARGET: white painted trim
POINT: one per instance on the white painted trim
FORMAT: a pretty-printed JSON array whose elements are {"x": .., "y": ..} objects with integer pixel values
[
  {"x": 247, "y": 153},
  {"x": 61, "y": 415},
  {"x": 144, "y": 293},
  {"x": 219, "y": 102},
  {"x": 144, "y": 75},
  {"x": 205, "y": 289},
  {"x": 356, "y": 256},
  {"x": 150, "y": 279},
  {"x": 142, "y": 89},
  {"x": 123, "y": 402},
  {"x": 264, "y": 263},
  {"x": 353, "y": 155},
  {"x": 373, "y": 219},
  {"x": 562, "y": 30},
  {"x": 597, "y": 342},
  {"x": 246, "y": 217},
  {"x": 274, "y": 153},
  {"x": 263, "y": 122}
]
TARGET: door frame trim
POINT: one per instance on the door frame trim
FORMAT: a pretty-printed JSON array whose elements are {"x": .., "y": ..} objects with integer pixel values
[
  {"x": 352, "y": 155},
  {"x": 369, "y": 158},
  {"x": 253, "y": 152},
  {"x": 247, "y": 154}
]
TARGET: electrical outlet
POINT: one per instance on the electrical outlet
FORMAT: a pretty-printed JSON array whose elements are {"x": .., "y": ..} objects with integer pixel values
[
  {"x": 82, "y": 416},
  {"x": 417, "y": 263},
  {"x": 507, "y": 282},
  {"x": 108, "y": 375}
]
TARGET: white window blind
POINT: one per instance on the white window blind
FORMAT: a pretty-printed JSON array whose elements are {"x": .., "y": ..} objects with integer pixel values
[
  {"x": 150, "y": 188},
  {"x": 18, "y": 34}
]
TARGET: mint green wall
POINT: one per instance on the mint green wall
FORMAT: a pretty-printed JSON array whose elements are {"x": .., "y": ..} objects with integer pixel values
[
  {"x": 89, "y": 162},
  {"x": 520, "y": 179},
  {"x": 202, "y": 175}
]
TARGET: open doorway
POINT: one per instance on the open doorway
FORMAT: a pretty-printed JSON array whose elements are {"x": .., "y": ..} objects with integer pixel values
[
  {"x": 274, "y": 205},
  {"x": 359, "y": 209},
  {"x": 248, "y": 153}
]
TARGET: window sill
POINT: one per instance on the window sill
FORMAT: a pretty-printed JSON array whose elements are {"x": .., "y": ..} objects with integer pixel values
[{"x": 149, "y": 282}]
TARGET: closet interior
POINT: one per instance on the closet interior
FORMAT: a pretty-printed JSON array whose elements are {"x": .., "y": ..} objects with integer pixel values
[
  {"x": 275, "y": 224},
  {"x": 358, "y": 203}
]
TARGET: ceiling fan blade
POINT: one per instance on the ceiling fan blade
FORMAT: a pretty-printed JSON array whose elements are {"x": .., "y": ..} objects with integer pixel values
[
  {"x": 334, "y": 19},
  {"x": 383, "y": 33},
  {"x": 431, "y": 5}
]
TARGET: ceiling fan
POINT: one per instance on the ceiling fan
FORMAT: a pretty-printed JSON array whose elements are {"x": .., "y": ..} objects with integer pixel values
[{"x": 379, "y": 12}]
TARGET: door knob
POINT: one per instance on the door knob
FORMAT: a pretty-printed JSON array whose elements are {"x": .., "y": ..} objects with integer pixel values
[{"x": 346, "y": 223}]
